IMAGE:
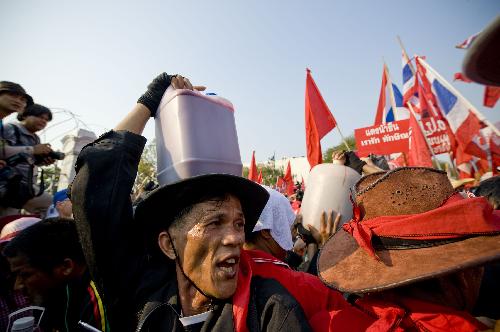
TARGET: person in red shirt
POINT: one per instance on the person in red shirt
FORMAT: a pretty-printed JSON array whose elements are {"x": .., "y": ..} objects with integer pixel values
[
  {"x": 414, "y": 251},
  {"x": 324, "y": 308}
]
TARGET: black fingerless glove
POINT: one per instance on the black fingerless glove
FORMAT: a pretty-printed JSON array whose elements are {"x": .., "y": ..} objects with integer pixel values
[
  {"x": 152, "y": 97},
  {"x": 353, "y": 161}
]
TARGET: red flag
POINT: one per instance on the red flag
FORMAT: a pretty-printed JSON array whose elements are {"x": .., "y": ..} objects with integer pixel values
[
  {"x": 495, "y": 152},
  {"x": 319, "y": 121},
  {"x": 279, "y": 184},
  {"x": 398, "y": 160},
  {"x": 463, "y": 161},
  {"x": 379, "y": 117},
  {"x": 252, "y": 172},
  {"x": 288, "y": 180},
  {"x": 461, "y": 77},
  {"x": 491, "y": 96},
  {"x": 418, "y": 151},
  {"x": 259, "y": 178},
  {"x": 468, "y": 166}
]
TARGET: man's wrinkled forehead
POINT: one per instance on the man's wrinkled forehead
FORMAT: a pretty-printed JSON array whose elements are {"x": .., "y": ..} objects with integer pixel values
[
  {"x": 208, "y": 207},
  {"x": 215, "y": 204}
]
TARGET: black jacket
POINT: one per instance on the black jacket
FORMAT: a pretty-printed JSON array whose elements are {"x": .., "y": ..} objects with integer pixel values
[{"x": 140, "y": 292}]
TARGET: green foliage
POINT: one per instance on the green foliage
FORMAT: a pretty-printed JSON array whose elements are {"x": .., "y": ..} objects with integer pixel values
[
  {"x": 51, "y": 175},
  {"x": 147, "y": 166},
  {"x": 351, "y": 142},
  {"x": 269, "y": 173}
]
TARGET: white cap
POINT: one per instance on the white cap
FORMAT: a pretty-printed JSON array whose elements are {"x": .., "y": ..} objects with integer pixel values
[
  {"x": 13, "y": 228},
  {"x": 278, "y": 217}
]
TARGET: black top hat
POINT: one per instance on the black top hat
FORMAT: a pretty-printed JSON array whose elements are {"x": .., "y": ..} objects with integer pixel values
[{"x": 163, "y": 204}]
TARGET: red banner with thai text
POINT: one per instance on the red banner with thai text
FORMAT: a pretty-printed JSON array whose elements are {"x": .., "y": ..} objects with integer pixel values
[
  {"x": 382, "y": 139},
  {"x": 438, "y": 134}
]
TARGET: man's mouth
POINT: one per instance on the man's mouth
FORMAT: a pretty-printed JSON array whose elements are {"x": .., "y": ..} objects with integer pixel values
[{"x": 228, "y": 266}]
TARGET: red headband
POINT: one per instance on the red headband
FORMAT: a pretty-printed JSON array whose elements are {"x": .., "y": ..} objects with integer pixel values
[{"x": 457, "y": 218}]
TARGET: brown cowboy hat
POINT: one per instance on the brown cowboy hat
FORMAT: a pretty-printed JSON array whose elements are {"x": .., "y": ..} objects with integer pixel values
[
  {"x": 345, "y": 265},
  {"x": 482, "y": 61}
]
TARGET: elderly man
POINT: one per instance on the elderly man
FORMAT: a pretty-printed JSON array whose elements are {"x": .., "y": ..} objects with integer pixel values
[{"x": 177, "y": 264}]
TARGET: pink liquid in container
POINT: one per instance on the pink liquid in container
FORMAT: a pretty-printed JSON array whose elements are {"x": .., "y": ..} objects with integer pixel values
[{"x": 195, "y": 135}]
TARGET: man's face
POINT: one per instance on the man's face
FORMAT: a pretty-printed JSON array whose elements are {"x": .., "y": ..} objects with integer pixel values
[
  {"x": 11, "y": 102},
  {"x": 38, "y": 285},
  {"x": 209, "y": 244},
  {"x": 36, "y": 123},
  {"x": 65, "y": 208}
]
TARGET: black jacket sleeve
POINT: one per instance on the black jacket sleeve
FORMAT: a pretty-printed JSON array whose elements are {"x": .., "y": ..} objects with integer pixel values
[
  {"x": 106, "y": 170},
  {"x": 276, "y": 308}
]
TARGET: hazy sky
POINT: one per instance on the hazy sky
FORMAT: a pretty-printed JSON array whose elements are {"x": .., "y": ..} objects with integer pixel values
[{"x": 95, "y": 58}]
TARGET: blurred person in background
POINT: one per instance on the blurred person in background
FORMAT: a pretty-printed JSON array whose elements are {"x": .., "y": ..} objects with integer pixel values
[
  {"x": 62, "y": 204},
  {"x": 31, "y": 196},
  {"x": 48, "y": 265},
  {"x": 11, "y": 299}
]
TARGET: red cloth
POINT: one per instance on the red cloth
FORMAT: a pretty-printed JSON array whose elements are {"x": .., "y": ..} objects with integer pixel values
[
  {"x": 319, "y": 121},
  {"x": 241, "y": 297},
  {"x": 325, "y": 308},
  {"x": 458, "y": 217},
  {"x": 415, "y": 315},
  {"x": 252, "y": 172},
  {"x": 495, "y": 152},
  {"x": 379, "y": 116},
  {"x": 491, "y": 96},
  {"x": 461, "y": 77},
  {"x": 288, "y": 180},
  {"x": 296, "y": 207},
  {"x": 418, "y": 149}
]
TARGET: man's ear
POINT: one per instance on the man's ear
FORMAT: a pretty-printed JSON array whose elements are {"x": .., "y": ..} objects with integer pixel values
[
  {"x": 65, "y": 269},
  {"x": 165, "y": 245}
]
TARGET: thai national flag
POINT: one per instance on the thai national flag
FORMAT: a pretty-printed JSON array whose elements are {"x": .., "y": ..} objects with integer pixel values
[
  {"x": 464, "y": 120},
  {"x": 409, "y": 87},
  {"x": 400, "y": 111},
  {"x": 390, "y": 103},
  {"x": 468, "y": 42}
]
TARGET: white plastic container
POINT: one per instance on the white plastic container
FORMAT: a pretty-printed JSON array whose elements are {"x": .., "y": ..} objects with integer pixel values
[
  {"x": 195, "y": 135},
  {"x": 328, "y": 188}
]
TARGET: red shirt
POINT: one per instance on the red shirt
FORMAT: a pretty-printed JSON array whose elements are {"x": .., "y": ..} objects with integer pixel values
[{"x": 325, "y": 308}]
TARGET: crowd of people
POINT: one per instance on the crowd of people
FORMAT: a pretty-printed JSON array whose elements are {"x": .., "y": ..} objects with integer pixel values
[{"x": 218, "y": 252}]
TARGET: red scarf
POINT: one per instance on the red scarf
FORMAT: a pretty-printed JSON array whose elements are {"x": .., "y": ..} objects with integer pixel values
[
  {"x": 241, "y": 297},
  {"x": 457, "y": 218}
]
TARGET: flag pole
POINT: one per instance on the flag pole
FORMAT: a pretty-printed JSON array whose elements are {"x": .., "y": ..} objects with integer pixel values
[
  {"x": 391, "y": 92},
  {"x": 425, "y": 136},
  {"x": 406, "y": 53},
  {"x": 455, "y": 168},
  {"x": 471, "y": 107},
  {"x": 343, "y": 139}
]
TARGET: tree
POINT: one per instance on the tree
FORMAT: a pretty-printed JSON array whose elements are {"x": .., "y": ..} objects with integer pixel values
[
  {"x": 147, "y": 167},
  {"x": 51, "y": 175},
  {"x": 351, "y": 142},
  {"x": 269, "y": 172}
]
